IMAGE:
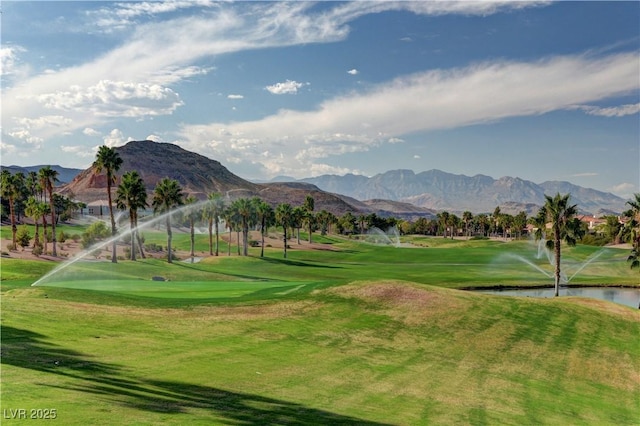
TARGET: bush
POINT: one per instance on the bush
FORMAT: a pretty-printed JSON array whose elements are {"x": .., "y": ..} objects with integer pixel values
[
  {"x": 153, "y": 248},
  {"x": 37, "y": 250},
  {"x": 76, "y": 237},
  {"x": 594, "y": 240},
  {"x": 23, "y": 237},
  {"x": 62, "y": 236},
  {"x": 11, "y": 247}
]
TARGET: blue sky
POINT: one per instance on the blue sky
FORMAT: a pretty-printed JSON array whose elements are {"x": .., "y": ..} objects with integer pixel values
[{"x": 538, "y": 90}]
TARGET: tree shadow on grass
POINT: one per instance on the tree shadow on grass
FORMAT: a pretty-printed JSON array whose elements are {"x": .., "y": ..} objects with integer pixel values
[{"x": 26, "y": 349}]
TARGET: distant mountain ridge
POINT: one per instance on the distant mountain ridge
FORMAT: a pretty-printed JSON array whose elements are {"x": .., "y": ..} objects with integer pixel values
[
  {"x": 438, "y": 190},
  {"x": 65, "y": 174},
  {"x": 402, "y": 193}
]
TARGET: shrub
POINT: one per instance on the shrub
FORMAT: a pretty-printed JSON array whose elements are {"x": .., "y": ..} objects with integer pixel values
[
  {"x": 62, "y": 236},
  {"x": 76, "y": 237},
  {"x": 37, "y": 250},
  {"x": 11, "y": 247},
  {"x": 23, "y": 237}
]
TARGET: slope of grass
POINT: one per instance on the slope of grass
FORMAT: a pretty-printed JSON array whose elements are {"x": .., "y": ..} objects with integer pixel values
[
  {"x": 360, "y": 334},
  {"x": 386, "y": 352}
]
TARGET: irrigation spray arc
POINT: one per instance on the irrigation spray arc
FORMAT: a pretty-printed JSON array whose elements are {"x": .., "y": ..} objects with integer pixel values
[
  {"x": 542, "y": 251},
  {"x": 376, "y": 235},
  {"x": 82, "y": 255}
]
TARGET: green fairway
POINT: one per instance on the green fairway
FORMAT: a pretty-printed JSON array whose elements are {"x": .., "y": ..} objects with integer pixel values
[{"x": 359, "y": 334}]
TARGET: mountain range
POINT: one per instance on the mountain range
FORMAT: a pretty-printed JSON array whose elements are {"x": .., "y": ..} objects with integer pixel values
[
  {"x": 438, "y": 190},
  {"x": 402, "y": 193}
]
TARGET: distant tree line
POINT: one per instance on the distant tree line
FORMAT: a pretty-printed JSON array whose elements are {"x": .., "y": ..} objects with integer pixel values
[{"x": 32, "y": 196}]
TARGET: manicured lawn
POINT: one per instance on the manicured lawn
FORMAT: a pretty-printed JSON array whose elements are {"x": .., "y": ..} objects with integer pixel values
[{"x": 359, "y": 335}]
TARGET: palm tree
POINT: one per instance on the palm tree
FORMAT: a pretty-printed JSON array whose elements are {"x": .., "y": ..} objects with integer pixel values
[
  {"x": 212, "y": 213},
  {"x": 564, "y": 226},
  {"x": 296, "y": 221},
  {"x": 230, "y": 218},
  {"x": 309, "y": 205},
  {"x": 35, "y": 210},
  {"x": 443, "y": 220},
  {"x": 9, "y": 189},
  {"x": 467, "y": 217},
  {"x": 132, "y": 195},
  {"x": 264, "y": 215},
  {"x": 633, "y": 228},
  {"x": 166, "y": 195},
  {"x": 48, "y": 177},
  {"x": 284, "y": 216},
  {"x": 108, "y": 160},
  {"x": 244, "y": 209}
]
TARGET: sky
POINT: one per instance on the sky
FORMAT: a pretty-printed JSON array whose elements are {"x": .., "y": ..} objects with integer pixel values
[{"x": 531, "y": 89}]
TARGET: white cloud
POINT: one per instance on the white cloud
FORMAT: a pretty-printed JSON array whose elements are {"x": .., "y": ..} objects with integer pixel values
[
  {"x": 26, "y": 136},
  {"x": 585, "y": 174},
  {"x": 353, "y": 71},
  {"x": 617, "y": 111},
  {"x": 114, "y": 99},
  {"x": 121, "y": 82},
  {"x": 115, "y": 138},
  {"x": 416, "y": 157},
  {"x": 235, "y": 97},
  {"x": 79, "y": 150},
  {"x": 287, "y": 87},
  {"x": 9, "y": 60},
  {"x": 90, "y": 132},
  {"x": 625, "y": 189},
  {"x": 425, "y": 101},
  {"x": 154, "y": 138}
]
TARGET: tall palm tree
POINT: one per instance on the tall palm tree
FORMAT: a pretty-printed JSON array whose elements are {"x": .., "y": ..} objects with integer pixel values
[
  {"x": 264, "y": 215},
  {"x": 564, "y": 226},
  {"x": 308, "y": 206},
  {"x": 9, "y": 190},
  {"x": 296, "y": 220},
  {"x": 48, "y": 178},
  {"x": 212, "y": 213},
  {"x": 467, "y": 217},
  {"x": 284, "y": 216},
  {"x": 166, "y": 195},
  {"x": 633, "y": 228},
  {"x": 132, "y": 195},
  {"x": 244, "y": 208},
  {"x": 109, "y": 161},
  {"x": 35, "y": 210}
]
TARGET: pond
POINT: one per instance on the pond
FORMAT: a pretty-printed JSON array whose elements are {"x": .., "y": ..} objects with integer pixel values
[{"x": 623, "y": 296}]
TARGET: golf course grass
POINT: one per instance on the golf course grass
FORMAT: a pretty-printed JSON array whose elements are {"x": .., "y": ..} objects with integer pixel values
[{"x": 359, "y": 334}]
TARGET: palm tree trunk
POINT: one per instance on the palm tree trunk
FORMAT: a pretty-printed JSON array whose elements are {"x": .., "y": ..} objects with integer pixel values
[
  {"x": 217, "y": 238},
  {"x": 169, "y": 237},
  {"x": 45, "y": 241},
  {"x": 138, "y": 239},
  {"x": 192, "y": 238},
  {"x": 285, "y": 241},
  {"x": 132, "y": 225},
  {"x": 113, "y": 225},
  {"x": 14, "y": 228},
  {"x": 53, "y": 223},
  {"x": 245, "y": 239},
  {"x": 210, "y": 236},
  {"x": 262, "y": 239},
  {"x": 556, "y": 247},
  {"x": 229, "y": 245}
]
